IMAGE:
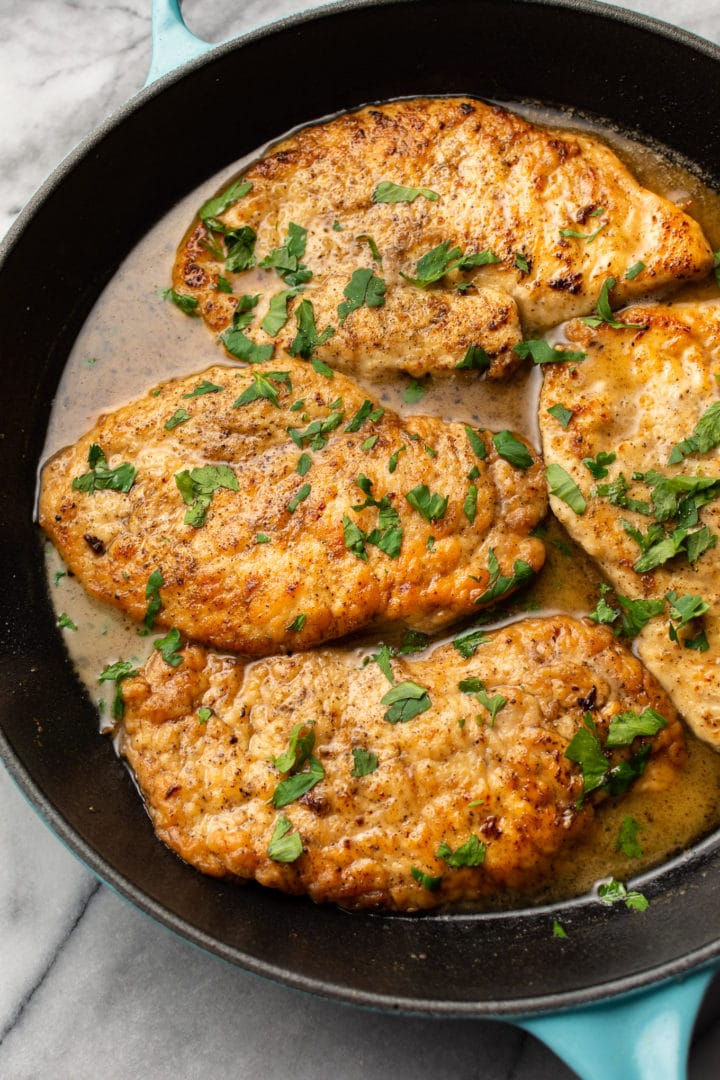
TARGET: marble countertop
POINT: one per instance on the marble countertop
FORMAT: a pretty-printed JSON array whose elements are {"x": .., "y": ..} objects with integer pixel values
[{"x": 88, "y": 986}]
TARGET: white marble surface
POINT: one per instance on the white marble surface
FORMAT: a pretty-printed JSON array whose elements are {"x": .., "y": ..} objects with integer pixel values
[{"x": 88, "y": 986}]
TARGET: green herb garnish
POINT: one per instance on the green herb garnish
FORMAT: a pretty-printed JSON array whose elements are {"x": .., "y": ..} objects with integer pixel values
[
  {"x": 187, "y": 304},
  {"x": 431, "y": 507},
  {"x": 387, "y": 192},
  {"x": 284, "y": 846},
  {"x": 364, "y": 762},
  {"x": 152, "y": 595},
  {"x": 406, "y": 700},
  {"x": 168, "y": 647},
  {"x": 101, "y": 477},
  {"x": 563, "y": 485},
  {"x": 512, "y": 450},
  {"x": 364, "y": 288},
  {"x": 542, "y": 352},
  {"x": 605, "y": 313},
  {"x": 198, "y": 486},
  {"x": 471, "y": 853}
]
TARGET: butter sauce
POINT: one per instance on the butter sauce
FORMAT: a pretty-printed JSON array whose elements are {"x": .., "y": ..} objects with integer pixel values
[{"x": 133, "y": 340}]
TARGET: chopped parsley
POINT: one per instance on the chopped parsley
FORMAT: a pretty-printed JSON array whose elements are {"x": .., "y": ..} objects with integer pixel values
[
  {"x": 597, "y": 465},
  {"x": 187, "y": 304},
  {"x": 706, "y": 436},
  {"x": 222, "y": 202},
  {"x": 387, "y": 192},
  {"x": 470, "y": 504},
  {"x": 101, "y": 477},
  {"x": 261, "y": 538},
  {"x": 65, "y": 622},
  {"x": 476, "y": 442},
  {"x": 298, "y": 623},
  {"x": 633, "y": 614},
  {"x": 413, "y": 393},
  {"x": 512, "y": 450},
  {"x": 627, "y": 838},
  {"x": 442, "y": 260},
  {"x": 542, "y": 352},
  {"x": 198, "y": 486},
  {"x": 613, "y": 891},
  {"x": 284, "y": 846},
  {"x": 299, "y": 752},
  {"x": 562, "y": 415},
  {"x": 367, "y": 411},
  {"x": 204, "y": 714},
  {"x": 558, "y": 930},
  {"x": 634, "y": 270},
  {"x": 498, "y": 584},
  {"x": 239, "y": 248},
  {"x": 587, "y": 237},
  {"x": 364, "y": 762},
  {"x": 432, "y": 884},
  {"x": 626, "y": 726},
  {"x": 277, "y": 314},
  {"x": 239, "y": 345},
  {"x": 286, "y": 260},
  {"x": 304, "y": 464},
  {"x": 204, "y": 387},
  {"x": 322, "y": 368},
  {"x": 307, "y": 339},
  {"x": 223, "y": 285},
  {"x": 117, "y": 672},
  {"x": 406, "y": 700},
  {"x": 373, "y": 247},
  {"x": 605, "y": 313},
  {"x": 315, "y": 434},
  {"x": 521, "y": 262},
  {"x": 364, "y": 288},
  {"x": 431, "y": 507},
  {"x": 468, "y": 642},
  {"x": 387, "y": 536},
  {"x": 261, "y": 387},
  {"x": 564, "y": 487},
  {"x": 300, "y": 495},
  {"x": 180, "y": 416},
  {"x": 152, "y": 594},
  {"x": 471, "y": 853},
  {"x": 475, "y": 359},
  {"x": 168, "y": 647},
  {"x": 683, "y": 609}
]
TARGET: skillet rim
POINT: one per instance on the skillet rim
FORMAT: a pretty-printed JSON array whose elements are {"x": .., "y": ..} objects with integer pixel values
[{"x": 118, "y": 882}]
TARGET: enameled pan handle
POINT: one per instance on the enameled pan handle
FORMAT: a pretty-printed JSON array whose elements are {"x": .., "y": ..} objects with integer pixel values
[
  {"x": 645, "y": 1037},
  {"x": 172, "y": 43}
]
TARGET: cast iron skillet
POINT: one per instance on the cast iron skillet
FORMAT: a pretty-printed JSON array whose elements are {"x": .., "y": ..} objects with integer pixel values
[{"x": 643, "y": 76}]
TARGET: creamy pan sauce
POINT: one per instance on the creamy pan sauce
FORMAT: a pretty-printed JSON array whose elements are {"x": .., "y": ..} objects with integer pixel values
[{"x": 133, "y": 340}]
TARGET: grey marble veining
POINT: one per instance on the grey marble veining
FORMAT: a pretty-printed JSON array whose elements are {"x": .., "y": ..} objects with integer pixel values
[{"x": 88, "y": 986}]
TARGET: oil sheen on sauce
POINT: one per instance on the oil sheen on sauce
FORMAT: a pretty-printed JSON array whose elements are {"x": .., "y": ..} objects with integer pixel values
[{"x": 133, "y": 340}]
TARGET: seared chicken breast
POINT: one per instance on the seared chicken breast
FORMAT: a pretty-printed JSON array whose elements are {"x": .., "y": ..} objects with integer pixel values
[
  {"x": 262, "y": 510},
  {"x": 467, "y": 225},
  {"x": 649, "y": 397},
  {"x": 436, "y": 780}
]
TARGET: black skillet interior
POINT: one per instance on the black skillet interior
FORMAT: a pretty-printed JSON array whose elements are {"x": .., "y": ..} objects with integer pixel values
[{"x": 644, "y": 78}]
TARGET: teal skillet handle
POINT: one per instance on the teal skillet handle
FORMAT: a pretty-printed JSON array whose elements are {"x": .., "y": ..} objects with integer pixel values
[
  {"x": 172, "y": 43},
  {"x": 644, "y": 1037}
]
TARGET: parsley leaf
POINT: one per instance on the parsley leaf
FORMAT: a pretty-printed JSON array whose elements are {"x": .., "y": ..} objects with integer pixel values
[
  {"x": 558, "y": 930},
  {"x": 627, "y": 839},
  {"x": 562, "y": 415},
  {"x": 471, "y": 853},
  {"x": 198, "y": 486},
  {"x": 240, "y": 249},
  {"x": 300, "y": 495},
  {"x": 512, "y": 450},
  {"x": 261, "y": 387},
  {"x": 476, "y": 442},
  {"x": 406, "y": 700},
  {"x": 413, "y": 393},
  {"x": 227, "y": 198},
  {"x": 605, "y": 313},
  {"x": 102, "y": 478},
  {"x": 152, "y": 594},
  {"x": 521, "y": 262},
  {"x": 204, "y": 714},
  {"x": 364, "y": 762},
  {"x": 387, "y": 192},
  {"x": 187, "y": 304},
  {"x": 705, "y": 437},
  {"x": 180, "y": 416},
  {"x": 612, "y": 891},
  {"x": 168, "y": 646},
  {"x": 493, "y": 704},
  {"x": 298, "y": 623},
  {"x": 542, "y": 352},
  {"x": 65, "y": 622},
  {"x": 286, "y": 259},
  {"x": 470, "y": 504},
  {"x": 204, "y": 387},
  {"x": 363, "y": 288},
  {"x": 563, "y": 485},
  {"x": 585, "y": 750},
  {"x": 635, "y": 269},
  {"x": 627, "y": 726},
  {"x": 468, "y": 641},
  {"x": 475, "y": 359},
  {"x": 316, "y": 431},
  {"x": 277, "y": 313},
  {"x": 373, "y": 247},
  {"x": 597, "y": 464},
  {"x": 432, "y": 884},
  {"x": 683, "y": 609},
  {"x": 498, "y": 584},
  {"x": 299, "y": 751},
  {"x": 587, "y": 237},
  {"x": 117, "y": 672},
  {"x": 284, "y": 846},
  {"x": 367, "y": 411},
  {"x": 239, "y": 345},
  {"x": 434, "y": 265},
  {"x": 307, "y": 340},
  {"x": 431, "y": 507}
]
